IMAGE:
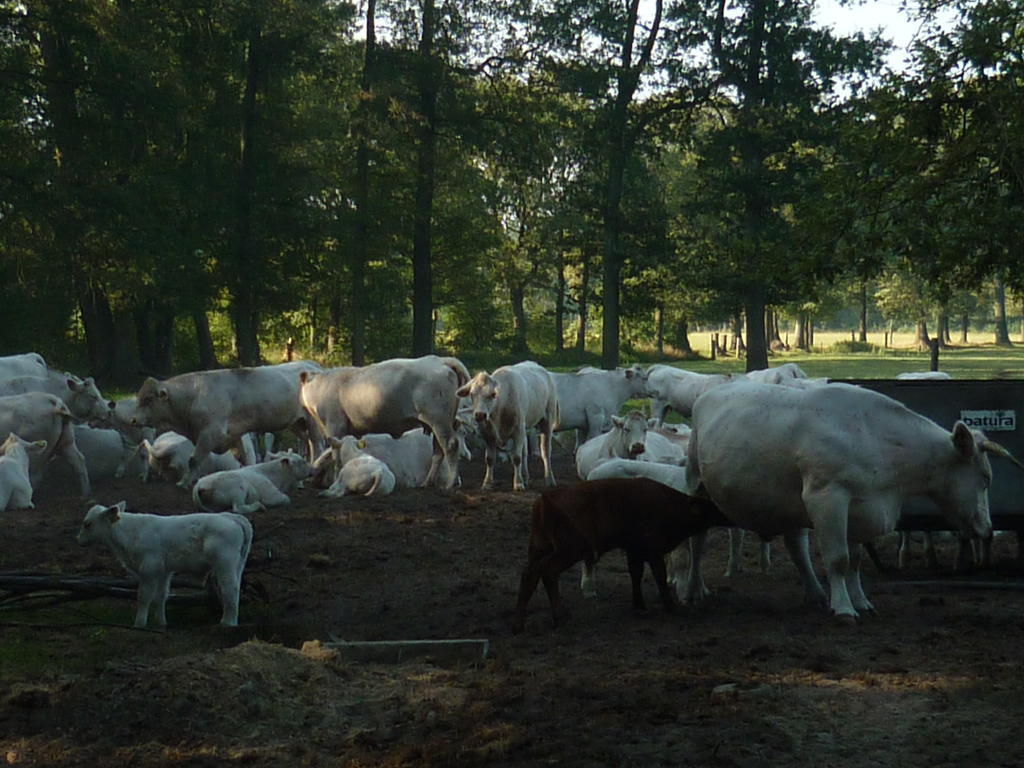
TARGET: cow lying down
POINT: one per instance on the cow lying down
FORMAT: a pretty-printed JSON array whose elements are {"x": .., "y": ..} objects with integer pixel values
[
  {"x": 361, "y": 474},
  {"x": 154, "y": 548},
  {"x": 641, "y": 516},
  {"x": 253, "y": 488}
]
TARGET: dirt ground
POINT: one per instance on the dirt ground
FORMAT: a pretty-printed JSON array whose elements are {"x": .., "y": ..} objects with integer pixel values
[{"x": 750, "y": 678}]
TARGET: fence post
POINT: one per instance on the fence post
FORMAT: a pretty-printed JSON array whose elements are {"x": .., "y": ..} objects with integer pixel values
[
  {"x": 933, "y": 344},
  {"x": 714, "y": 346}
]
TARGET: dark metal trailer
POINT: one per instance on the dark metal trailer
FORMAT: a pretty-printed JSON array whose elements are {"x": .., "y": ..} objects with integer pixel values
[{"x": 994, "y": 406}]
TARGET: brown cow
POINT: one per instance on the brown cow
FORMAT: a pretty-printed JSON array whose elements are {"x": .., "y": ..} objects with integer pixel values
[{"x": 582, "y": 522}]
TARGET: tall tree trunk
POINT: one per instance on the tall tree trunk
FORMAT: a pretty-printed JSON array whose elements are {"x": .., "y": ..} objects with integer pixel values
[
  {"x": 243, "y": 309},
  {"x": 921, "y": 333},
  {"x": 360, "y": 241},
  {"x": 862, "y": 330},
  {"x": 163, "y": 339},
  {"x": 560, "y": 291},
  {"x": 659, "y": 329},
  {"x": 618, "y": 149},
  {"x": 757, "y": 350},
  {"x": 582, "y": 301},
  {"x": 682, "y": 336},
  {"x": 98, "y": 321},
  {"x": 334, "y": 319},
  {"x": 426, "y": 159},
  {"x": 204, "y": 341},
  {"x": 965, "y": 322},
  {"x": 1002, "y": 330},
  {"x": 942, "y": 328},
  {"x": 517, "y": 296}
]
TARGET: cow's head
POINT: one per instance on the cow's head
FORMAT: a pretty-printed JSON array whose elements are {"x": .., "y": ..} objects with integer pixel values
[
  {"x": 637, "y": 378},
  {"x": 14, "y": 442},
  {"x": 964, "y": 492},
  {"x": 630, "y": 434},
  {"x": 85, "y": 401},
  {"x": 152, "y": 405},
  {"x": 97, "y": 523},
  {"x": 482, "y": 391}
]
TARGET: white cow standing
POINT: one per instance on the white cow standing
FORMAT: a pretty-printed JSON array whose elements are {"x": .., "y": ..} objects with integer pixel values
[
  {"x": 676, "y": 389},
  {"x": 215, "y": 409},
  {"x": 28, "y": 364},
  {"x": 154, "y": 548},
  {"x": 505, "y": 404},
  {"x": 81, "y": 396},
  {"x": 589, "y": 397},
  {"x": 15, "y": 485},
  {"x": 391, "y": 397},
  {"x": 40, "y": 416},
  {"x": 839, "y": 459}
]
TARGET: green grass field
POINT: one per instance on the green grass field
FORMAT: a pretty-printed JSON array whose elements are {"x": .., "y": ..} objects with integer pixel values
[{"x": 980, "y": 361}]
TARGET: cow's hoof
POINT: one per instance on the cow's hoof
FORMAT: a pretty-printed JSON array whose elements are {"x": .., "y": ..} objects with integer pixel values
[{"x": 844, "y": 619}]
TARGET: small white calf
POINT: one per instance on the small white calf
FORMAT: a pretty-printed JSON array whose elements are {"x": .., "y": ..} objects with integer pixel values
[
  {"x": 107, "y": 452},
  {"x": 250, "y": 489},
  {"x": 15, "y": 486},
  {"x": 154, "y": 548},
  {"x": 360, "y": 473}
]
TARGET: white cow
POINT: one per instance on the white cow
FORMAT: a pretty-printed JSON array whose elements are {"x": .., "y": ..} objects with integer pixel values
[
  {"x": 169, "y": 454},
  {"x": 252, "y": 488},
  {"x": 359, "y": 473},
  {"x": 392, "y": 397},
  {"x": 625, "y": 440},
  {"x": 215, "y": 409},
  {"x": 82, "y": 397},
  {"x": 923, "y": 376},
  {"x": 677, "y": 389},
  {"x": 588, "y": 398},
  {"x": 107, "y": 453},
  {"x": 154, "y": 548},
  {"x": 839, "y": 459},
  {"x": 28, "y": 364},
  {"x": 409, "y": 457},
  {"x": 40, "y": 416},
  {"x": 508, "y": 402},
  {"x": 780, "y": 374},
  {"x": 123, "y": 419},
  {"x": 15, "y": 485}
]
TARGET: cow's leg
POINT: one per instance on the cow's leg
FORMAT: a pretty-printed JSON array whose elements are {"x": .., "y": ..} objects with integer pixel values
[
  {"x": 635, "y": 563},
  {"x": 545, "y": 451},
  {"x": 228, "y": 587},
  {"x": 518, "y": 459},
  {"x": 66, "y": 447},
  {"x": 853, "y": 584},
  {"x": 149, "y": 587},
  {"x": 204, "y": 447},
  {"x": 490, "y": 455},
  {"x": 674, "y": 563},
  {"x": 735, "y": 563},
  {"x": 903, "y": 550},
  {"x": 696, "y": 590},
  {"x": 527, "y": 586},
  {"x": 765, "y": 558},
  {"x": 163, "y": 591},
  {"x": 657, "y": 563},
  {"x": 659, "y": 408},
  {"x": 828, "y": 508},
  {"x": 587, "y": 576},
  {"x": 798, "y": 546}
]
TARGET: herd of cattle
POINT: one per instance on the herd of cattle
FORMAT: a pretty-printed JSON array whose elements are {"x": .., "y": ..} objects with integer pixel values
[{"x": 772, "y": 452}]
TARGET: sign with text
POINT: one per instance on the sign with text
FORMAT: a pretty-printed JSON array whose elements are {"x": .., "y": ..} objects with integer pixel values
[{"x": 993, "y": 421}]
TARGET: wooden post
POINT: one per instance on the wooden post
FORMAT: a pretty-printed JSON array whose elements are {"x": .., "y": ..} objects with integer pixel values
[
  {"x": 714, "y": 346},
  {"x": 289, "y": 348},
  {"x": 934, "y": 346}
]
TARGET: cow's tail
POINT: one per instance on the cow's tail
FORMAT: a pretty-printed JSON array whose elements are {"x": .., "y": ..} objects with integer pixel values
[
  {"x": 461, "y": 372},
  {"x": 197, "y": 498}
]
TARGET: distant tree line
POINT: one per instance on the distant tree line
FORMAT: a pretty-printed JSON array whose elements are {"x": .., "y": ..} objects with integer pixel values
[{"x": 189, "y": 184}]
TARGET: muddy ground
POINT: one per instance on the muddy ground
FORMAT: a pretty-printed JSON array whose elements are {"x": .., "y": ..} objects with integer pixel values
[{"x": 750, "y": 678}]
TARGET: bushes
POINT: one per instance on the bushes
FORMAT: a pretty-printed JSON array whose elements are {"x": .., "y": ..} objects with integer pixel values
[{"x": 846, "y": 347}]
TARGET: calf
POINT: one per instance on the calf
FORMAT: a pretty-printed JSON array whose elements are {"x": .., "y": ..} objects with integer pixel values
[
  {"x": 169, "y": 455},
  {"x": 252, "y": 488},
  {"x": 15, "y": 486},
  {"x": 644, "y": 517},
  {"x": 588, "y": 398},
  {"x": 626, "y": 440},
  {"x": 82, "y": 397},
  {"x": 154, "y": 548},
  {"x": 108, "y": 454},
  {"x": 359, "y": 473}
]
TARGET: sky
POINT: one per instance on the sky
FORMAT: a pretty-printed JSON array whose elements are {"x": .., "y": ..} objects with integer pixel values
[{"x": 869, "y": 16}]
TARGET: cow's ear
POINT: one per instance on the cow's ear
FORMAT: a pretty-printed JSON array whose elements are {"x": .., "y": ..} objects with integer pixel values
[
  {"x": 40, "y": 444},
  {"x": 630, "y": 373},
  {"x": 334, "y": 442},
  {"x": 963, "y": 440},
  {"x": 162, "y": 393},
  {"x": 89, "y": 381},
  {"x": 114, "y": 513},
  {"x": 285, "y": 460},
  {"x": 462, "y": 391},
  {"x": 361, "y": 444},
  {"x": 618, "y": 421},
  {"x": 71, "y": 381}
]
